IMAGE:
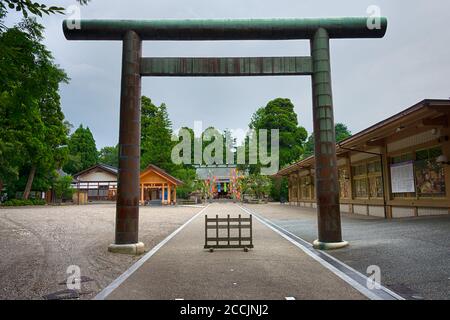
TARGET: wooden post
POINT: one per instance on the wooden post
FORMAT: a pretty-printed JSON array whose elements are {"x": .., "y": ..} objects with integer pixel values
[
  {"x": 217, "y": 229},
  {"x": 168, "y": 194},
  {"x": 350, "y": 177},
  {"x": 163, "y": 198},
  {"x": 175, "y": 195},
  {"x": 240, "y": 233},
  {"x": 142, "y": 193},
  {"x": 446, "y": 152},
  {"x": 251, "y": 230},
  {"x": 228, "y": 228},
  {"x": 386, "y": 181},
  {"x": 206, "y": 230}
]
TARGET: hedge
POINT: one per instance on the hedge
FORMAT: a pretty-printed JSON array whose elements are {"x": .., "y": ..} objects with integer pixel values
[{"x": 20, "y": 202}]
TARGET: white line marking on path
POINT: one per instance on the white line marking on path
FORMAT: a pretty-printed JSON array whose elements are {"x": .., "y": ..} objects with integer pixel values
[
  {"x": 364, "y": 290},
  {"x": 290, "y": 298},
  {"x": 111, "y": 287}
]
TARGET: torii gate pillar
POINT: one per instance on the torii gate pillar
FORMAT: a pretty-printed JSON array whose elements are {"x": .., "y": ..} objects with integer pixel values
[
  {"x": 128, "y": 193},
  {"x": 327, "y": 183}
]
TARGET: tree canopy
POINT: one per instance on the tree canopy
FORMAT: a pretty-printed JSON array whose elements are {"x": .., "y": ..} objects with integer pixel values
[
  {"x": 32, "y": 128},
  {"x": 156, "y": 134},
  {"x": 109, "y": 156},
  {"x": 341, "y": 132},
  {"x": 82, "y": 151},
  {"x": 279, "y": 114}
]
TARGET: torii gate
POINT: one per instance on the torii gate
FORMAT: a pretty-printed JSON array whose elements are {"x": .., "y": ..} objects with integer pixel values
[{"x": 134, "y": 66}]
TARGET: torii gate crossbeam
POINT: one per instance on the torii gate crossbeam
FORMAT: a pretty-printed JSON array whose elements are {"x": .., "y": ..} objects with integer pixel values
[{"x": 134, "y": 66}]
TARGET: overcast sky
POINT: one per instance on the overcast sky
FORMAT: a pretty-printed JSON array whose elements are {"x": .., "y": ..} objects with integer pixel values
[{"x": 372, "y": 78}]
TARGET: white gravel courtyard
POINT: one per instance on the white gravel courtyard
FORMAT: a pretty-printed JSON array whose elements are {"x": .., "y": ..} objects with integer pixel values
[{"x": 38, "y": 244}]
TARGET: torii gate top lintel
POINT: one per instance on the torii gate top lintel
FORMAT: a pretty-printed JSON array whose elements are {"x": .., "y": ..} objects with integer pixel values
[{"x": 224, "y": 29}]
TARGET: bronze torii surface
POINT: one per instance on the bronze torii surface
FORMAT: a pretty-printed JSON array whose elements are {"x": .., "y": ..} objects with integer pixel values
[{"x": 134, "y": 66}]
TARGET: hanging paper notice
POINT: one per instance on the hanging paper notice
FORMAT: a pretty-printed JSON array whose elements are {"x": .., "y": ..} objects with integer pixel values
[{"x": 402, "y": 177}]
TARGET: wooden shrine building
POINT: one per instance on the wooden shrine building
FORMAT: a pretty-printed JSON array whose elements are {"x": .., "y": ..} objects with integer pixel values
[{"x": 157, "y": 186}]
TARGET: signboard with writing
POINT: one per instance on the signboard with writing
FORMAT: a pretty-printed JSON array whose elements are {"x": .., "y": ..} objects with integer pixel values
[{"x": 402, "y": 177}]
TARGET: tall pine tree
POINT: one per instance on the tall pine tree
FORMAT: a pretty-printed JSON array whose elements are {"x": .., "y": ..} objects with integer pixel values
[
  {"x": 82, "y": 151},
  {"x": 156, "y": 134}
]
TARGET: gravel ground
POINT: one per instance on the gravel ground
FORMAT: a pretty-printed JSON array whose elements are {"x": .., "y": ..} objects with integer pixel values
[{"x": 38, "y": 244}]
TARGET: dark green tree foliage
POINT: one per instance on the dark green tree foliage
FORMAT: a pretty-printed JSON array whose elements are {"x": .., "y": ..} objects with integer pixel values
[
  {"x": 32, "y": 128},
  {"x": 82, "y": 151},
  {"x": 156, "y": 134},
  {"x": 280, "y": 114},
  {"x": 193, "y": 139},
  {"x": 229, "y": 148},
  {"x": 187, "y": 174},
  {"x": 257, "y": 185},
  {"x": 280, "y": 189},
  {"x": 341, "y": 131},
  {"x": 109, "y": 156},
  {"x": 62, "y": 187}
]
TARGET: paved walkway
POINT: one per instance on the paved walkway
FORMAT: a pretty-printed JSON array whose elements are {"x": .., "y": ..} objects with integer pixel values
[
  {"x": 413, "y": 254},
  {"x": 274, "y": 269}
]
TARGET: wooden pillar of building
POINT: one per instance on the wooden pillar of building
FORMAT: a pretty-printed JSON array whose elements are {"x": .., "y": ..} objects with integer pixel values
[
  {"x": 174, "y": 194},
  {"x": 168, "y": 194},
  {"x": 386, "y": 181},
  {"x": 445, "y": 132},
  {"x": 350, "y": 177},
  {"x": 311, "y": 185}
]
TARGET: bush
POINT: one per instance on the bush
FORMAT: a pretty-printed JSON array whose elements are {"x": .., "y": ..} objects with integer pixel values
[
  {"x": 256, "y": 185},
  {"x": 21, "y": 202},
  {"x": 63, "y": 188}
]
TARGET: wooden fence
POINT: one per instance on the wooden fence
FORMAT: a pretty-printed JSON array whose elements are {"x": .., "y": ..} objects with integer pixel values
[{"x": 233, "y": 241}]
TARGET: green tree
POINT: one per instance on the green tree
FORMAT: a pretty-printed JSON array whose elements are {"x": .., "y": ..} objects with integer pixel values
[
  {"x": 188, "y": 176},
  {"x": 229, "y": 148},
  {"x": 32, "y": 129},
  {"x": 82, "y": 151},
  {"x": 62, "y": 186},
  {"x": 341, "y": 132},
  {"x": 9, "y": 162},
  {"x": 279, "y": 114},
  {"x": 213, "y": 146},
  {"x": 156, "y": 135},
  {"x": 109, "y": 156},
  {"x": 256, "y": 185}
]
